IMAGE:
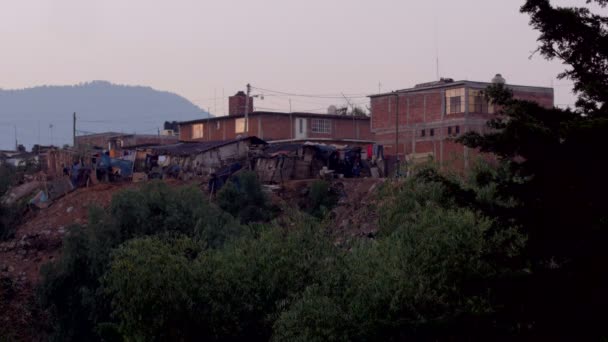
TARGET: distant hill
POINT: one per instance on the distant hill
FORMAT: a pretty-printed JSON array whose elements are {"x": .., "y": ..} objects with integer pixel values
[{"x": 99, "y": 105}]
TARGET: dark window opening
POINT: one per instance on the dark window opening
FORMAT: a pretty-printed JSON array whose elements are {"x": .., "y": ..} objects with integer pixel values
[
  {"x": 432, "y": 132},
  {"x": 457, "y": 129},
  {"x": 450, "y": 130},
  {"x": 455, "y": 104},
  {"x": 423, "y": 133}
]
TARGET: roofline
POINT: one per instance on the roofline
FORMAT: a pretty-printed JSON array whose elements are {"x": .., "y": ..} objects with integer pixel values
[
  {"x": 320, "y": 139},
  {"x": 213, "y": 144},
  {"x": 300, "y": 114},
  {"x": 111, "y": 135},
  {"x": 463, "y": 83}
]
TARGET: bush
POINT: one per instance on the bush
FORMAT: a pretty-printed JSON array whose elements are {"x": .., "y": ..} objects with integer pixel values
[
  {"x": 249, "y": 283},
  {"x": 152, "y": 283},
  {"x": 152, "y": 270},
  {"x": 8, "y": 177},
  {"x": 70, "y": 288},
  {"x": 321, "y": 198},
  {"x": 11, "y": 216},
  {"x": 428, "y": 276},
  {"x": 244, "y": 199}
]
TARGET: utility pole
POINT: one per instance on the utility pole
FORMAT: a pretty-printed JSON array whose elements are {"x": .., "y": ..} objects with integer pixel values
[
  {"x": 51, "y": 129},
  {"x": 290, "y": 120},
  {"x": 352, "y": 112},
  {"x": 16, "y": 142},
  {"x": 397, "y": 133},
  {"x": 247, "y": 109},
  {"x": 74, "y": 131}
]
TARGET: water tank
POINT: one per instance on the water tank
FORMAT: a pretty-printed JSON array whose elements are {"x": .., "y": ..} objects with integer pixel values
[
  {"x": 333, "y": 110},
  {"x": 498, "y": 79}
]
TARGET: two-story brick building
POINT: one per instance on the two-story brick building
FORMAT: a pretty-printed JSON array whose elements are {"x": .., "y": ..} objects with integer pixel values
[
  {"x": 423, "y": 121},
  {"x": 276, "y": 126}
]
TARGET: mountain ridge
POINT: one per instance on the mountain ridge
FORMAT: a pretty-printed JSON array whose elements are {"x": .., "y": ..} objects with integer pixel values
[{"x": 43, "y": 114}]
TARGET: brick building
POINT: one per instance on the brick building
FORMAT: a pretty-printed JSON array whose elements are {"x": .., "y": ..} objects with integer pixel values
[
  {"x": 431, "y": 115},
  {"x": 273, "y": 126}
]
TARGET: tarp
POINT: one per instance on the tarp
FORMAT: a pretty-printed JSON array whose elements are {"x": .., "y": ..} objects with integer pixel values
[
  {"x": 41, "y": 200},
  {"x": 125, "y": 166}
]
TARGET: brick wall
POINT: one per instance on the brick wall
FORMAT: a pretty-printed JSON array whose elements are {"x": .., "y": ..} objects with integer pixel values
[
  {"x": 269, "y": 126},
  {"x": 236, "y": 104},
  {"x": 425, "y": 110}
]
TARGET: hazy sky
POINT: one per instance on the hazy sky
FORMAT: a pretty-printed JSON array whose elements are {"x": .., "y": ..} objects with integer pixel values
[{"x": 201, "y": 48}]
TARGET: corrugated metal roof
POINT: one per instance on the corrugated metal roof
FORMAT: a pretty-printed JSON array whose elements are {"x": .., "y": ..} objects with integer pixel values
[
  {"x": 265, "y": 113},
  {"x": 190, "y": 148}
]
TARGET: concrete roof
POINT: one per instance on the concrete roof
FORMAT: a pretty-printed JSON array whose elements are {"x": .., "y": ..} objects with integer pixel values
[{"x": 471, "y": 84}]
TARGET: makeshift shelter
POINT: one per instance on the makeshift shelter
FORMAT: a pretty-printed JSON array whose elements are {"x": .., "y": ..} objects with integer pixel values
[
  {"x": 281, "y": 162},
  {"x": 198, "y": 158}
]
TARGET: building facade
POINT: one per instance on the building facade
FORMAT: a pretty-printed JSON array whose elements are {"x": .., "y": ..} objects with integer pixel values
[
  {"x": 421, "y": 122},
  {"x": 276, "y": 126}
]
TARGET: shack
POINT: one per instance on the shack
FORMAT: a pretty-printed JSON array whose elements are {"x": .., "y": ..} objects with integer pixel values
[
  {"x": 189, "y": 159},
  {"x": 281, "y": 162}
]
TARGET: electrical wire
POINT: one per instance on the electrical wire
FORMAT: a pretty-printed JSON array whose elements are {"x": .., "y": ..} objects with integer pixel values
[{"x": 320, "y": 96}]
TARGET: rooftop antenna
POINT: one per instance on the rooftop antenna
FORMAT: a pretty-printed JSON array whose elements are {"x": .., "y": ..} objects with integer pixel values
[{"x": 436, "y": 49}]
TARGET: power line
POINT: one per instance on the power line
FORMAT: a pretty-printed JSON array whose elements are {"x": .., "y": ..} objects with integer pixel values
[{"x": 321, "y": 96}]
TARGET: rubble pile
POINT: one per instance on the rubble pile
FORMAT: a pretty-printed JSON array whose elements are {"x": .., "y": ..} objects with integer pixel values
[{"x": 355, "y": 214}]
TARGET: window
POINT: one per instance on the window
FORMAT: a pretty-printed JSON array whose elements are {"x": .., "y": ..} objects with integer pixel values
[
  {"x": 449, "y": 130},
  {"x": 198, "y": 131},
  {"x": 457, "y": 130},
  {"x": 301, "y": 125},
  {"x": 239, "y": 125},
  {"x": 217, "y": 124},
  {"x": 478, "y": 102},
  {"x": 432, "y": 132},
  {"x": 321, "y": 126},
  {"x": 423, "y": 133},
  {"x": 454, "y": 101}
]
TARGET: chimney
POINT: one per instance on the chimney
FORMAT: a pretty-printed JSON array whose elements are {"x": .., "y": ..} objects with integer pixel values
[{"x": 236, "y": 104}]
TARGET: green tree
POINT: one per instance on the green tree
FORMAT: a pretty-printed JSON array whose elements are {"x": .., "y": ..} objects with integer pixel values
[
  {"x": 321, "y": 198},
  {"x": 244, "y": 198},
  {"x": 556, "y": 177},
  {"x": 152, "y": 284},
  {"x": 71, "y": 289},
  {"x": 427, "y": 276}
]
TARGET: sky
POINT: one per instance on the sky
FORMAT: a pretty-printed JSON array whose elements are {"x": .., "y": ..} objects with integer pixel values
[{"x": 208, "y": 50}]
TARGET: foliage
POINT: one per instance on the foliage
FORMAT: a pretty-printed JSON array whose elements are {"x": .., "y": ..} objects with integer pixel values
[
  {"x": 8, "y": 177},
  {"x": 70, "y": 289},
  {"x": 321, "y": 198},
  {"x": 152, "y": 285},
  {"x": 249, "y": 283},
  {"x": 554, "y": 178},
  {"x": 10, "y": 215},
  {"x": 243, "y": 197},
  {"x": 173, "y": 290},
  {"x": 428, "y": 276}
]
